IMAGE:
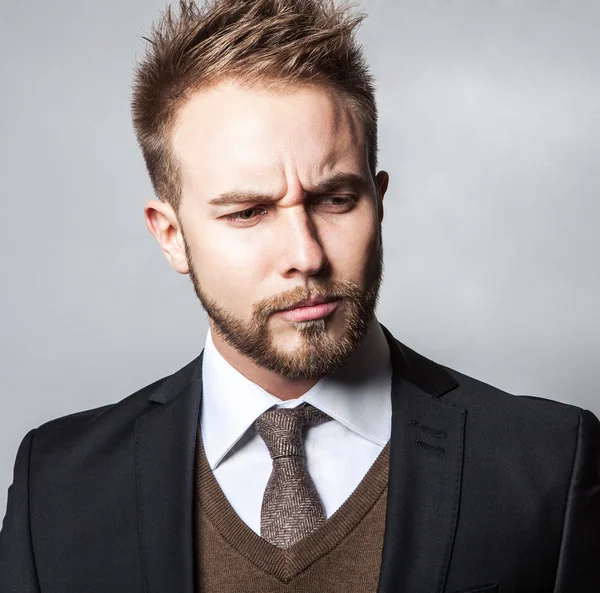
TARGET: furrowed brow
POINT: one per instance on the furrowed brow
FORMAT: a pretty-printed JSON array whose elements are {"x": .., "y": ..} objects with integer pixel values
[
  {"x": 232, "y": 198},
  {"x": 350, "y": 181}
]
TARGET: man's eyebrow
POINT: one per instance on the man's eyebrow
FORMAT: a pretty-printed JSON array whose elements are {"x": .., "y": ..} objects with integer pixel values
[{"x": 351, "y": 181}]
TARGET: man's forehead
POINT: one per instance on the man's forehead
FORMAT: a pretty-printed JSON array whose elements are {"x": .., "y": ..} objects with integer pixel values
[
  {"x": 260, "y": 145},
  {"x": 228, "y": 112}
]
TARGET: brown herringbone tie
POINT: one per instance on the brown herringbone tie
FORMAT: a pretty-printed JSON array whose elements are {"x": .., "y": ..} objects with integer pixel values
[{"x": 291, "y": 507}]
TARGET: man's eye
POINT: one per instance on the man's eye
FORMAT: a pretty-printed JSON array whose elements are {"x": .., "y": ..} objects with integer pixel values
[
  {"x": 248, "y": 214},
  {"x": 337, "y": 199}
]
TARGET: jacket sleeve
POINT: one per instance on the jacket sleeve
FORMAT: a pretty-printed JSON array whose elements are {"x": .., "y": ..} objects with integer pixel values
[
  {"x": 17, "y": 565},
  {"x": 579, "y": 560}
]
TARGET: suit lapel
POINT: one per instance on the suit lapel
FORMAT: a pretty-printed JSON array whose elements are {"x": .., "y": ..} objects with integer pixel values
[
  {"x": 426, "y": 455},
  {"x": 165, "y": 440}
]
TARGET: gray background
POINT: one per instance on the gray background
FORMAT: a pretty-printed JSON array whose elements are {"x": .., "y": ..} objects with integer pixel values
[{"x": 489, "y": 128}]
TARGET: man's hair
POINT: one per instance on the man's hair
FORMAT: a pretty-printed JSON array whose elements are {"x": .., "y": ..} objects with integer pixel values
[{"x": 256, "y": 43}]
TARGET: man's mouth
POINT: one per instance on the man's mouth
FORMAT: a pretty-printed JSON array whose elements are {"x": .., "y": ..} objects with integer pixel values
[
  {"x": 310, "y": 302},
  {"x": 310, "y": 309}
]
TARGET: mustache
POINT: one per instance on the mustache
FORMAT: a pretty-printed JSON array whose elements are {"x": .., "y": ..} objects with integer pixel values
[{"x": 322, "y": 290}]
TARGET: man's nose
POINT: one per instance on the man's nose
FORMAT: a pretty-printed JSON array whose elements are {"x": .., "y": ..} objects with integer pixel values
[{"x": 301, "y": 250}]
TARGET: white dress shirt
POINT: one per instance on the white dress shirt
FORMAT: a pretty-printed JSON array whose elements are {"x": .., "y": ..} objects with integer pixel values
[{"x": 338, "y": 452}]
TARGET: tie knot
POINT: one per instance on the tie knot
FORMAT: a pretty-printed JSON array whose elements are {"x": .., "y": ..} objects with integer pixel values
[{"x": 281, "y": 428}]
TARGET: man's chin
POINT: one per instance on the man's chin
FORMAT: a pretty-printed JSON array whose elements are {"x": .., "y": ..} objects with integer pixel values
[
  {"x": 309, "y": 352},
  {"x": 306, "y": 337}
]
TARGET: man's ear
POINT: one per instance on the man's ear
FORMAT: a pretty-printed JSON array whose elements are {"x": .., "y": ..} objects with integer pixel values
[
  {"x": 381, "y": 181},
  {"x": 162, "y": 222}
]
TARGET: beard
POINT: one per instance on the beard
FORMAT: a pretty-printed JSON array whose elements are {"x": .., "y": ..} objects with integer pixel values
[{"x": 318, "y": 354}]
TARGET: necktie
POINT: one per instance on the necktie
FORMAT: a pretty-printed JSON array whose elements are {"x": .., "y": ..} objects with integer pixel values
[{"x": 291, "y": 507}]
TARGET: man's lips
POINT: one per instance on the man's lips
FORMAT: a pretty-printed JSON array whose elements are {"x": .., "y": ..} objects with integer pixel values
[
  {"x": 310, "y": 302},
  {"x": 310, "y": 309}
]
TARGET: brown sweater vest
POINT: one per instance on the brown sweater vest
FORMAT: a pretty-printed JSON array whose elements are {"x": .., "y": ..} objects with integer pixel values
[{"x": 343, "y": 554}]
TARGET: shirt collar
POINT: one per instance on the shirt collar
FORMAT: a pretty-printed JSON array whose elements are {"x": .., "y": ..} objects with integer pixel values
[{"x": 357, "y": 395}]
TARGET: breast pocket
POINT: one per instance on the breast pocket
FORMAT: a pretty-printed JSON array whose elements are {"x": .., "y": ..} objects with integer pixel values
[{"x": 485, "y": 589}]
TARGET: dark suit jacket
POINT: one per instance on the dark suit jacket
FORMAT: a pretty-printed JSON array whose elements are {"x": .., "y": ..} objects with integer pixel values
[{"x": 488, "y": 492}]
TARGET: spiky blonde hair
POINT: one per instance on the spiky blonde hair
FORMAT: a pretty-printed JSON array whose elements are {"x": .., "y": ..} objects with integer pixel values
[{"x": 271, "y": 43}]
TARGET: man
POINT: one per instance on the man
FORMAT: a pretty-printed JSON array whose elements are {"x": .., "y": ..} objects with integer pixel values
[{"x": 305, "y": 449}]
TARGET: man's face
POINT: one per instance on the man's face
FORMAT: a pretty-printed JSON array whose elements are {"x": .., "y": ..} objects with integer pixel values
[{"x": 279, "y": 206}]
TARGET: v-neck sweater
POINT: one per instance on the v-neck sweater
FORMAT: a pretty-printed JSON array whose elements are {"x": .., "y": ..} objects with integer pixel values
[{"x": 343, "y": 554}]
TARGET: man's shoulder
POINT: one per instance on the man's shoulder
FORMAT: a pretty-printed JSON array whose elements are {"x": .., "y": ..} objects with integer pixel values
[
  {"x": 103, "y": 420},
  {"x": 469, "y": 392},
  {"x": 474, "y": 392},
  {"x": 122, "y": 414},
  {"x": 492, "y": 412},
  {"x": 507, "y": 418}
]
